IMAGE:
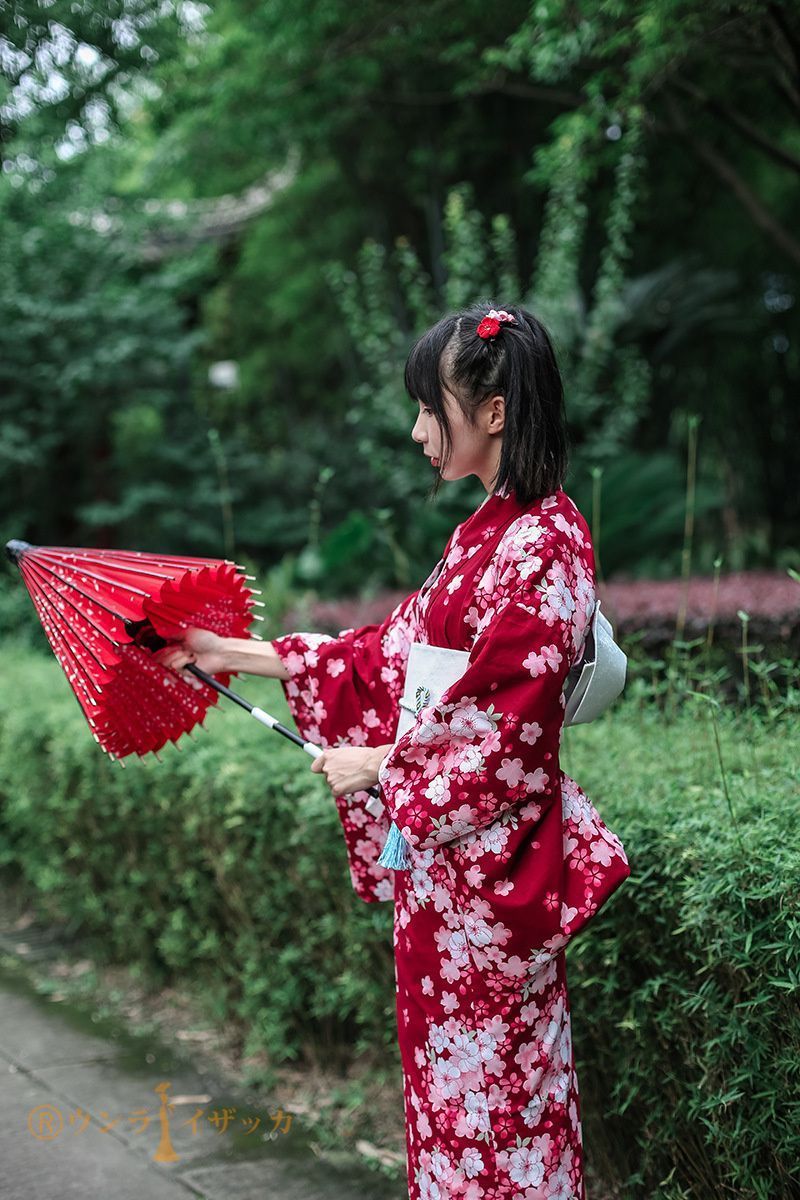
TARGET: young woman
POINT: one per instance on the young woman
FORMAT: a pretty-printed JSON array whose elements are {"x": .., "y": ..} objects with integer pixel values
[{"x": 507, "y": 857}]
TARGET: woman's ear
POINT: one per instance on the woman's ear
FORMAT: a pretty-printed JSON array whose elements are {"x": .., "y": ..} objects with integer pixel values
[{"x": 495, "y": 414}]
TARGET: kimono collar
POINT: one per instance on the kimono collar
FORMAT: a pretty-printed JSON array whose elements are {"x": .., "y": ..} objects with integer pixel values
[{"x": 500, "y": 505}]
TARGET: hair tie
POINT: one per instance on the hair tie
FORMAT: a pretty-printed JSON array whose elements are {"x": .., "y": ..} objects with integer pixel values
[{"x": 489, "y": 327}]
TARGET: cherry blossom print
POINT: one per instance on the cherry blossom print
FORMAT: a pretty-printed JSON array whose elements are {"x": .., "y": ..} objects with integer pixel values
[
  {"x": 509, "y": 859},
  {"x": 537, "y": 664},
  {"x": 531, "y": 731}
]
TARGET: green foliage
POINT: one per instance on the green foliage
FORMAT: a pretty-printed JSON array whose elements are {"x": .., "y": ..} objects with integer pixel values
[
  {"x": 685, "y": 1016},
  {"x": 211, "y": 862},
  {"x": 642, "y": 513},
  {"x": 18, "y": 617},
  {"x": 594, "y": 161},
  {"x": 97, "y": 428},
  {"x": 63, "y": 62}
]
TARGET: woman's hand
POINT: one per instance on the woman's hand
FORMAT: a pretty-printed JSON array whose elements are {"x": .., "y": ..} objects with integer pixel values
[
  {"x": 199, "y": 646},
  {"x": 349, "y": 768}
]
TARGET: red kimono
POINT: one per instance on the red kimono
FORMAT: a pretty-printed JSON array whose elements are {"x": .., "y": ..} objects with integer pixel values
[{"x": 508, "y": 857}]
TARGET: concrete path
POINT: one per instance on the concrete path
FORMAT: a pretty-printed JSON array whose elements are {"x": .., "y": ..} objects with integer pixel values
[{"x": 81, "y": 1115}]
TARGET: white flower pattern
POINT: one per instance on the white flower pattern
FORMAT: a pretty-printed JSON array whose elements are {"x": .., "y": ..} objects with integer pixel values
[{"x": 509, "y": 858}]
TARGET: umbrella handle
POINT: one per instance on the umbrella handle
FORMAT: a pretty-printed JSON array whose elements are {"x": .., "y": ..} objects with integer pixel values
[{"x": 265, "y": 718}]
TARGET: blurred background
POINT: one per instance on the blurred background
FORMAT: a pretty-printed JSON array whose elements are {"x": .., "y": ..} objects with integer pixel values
[{"x": 223, "y": 226}]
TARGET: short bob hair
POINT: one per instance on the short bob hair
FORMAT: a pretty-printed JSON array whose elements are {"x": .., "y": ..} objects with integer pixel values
[{"x": 519, "y": 364}]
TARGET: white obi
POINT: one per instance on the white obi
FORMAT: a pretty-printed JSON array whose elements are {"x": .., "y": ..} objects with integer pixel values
[
  {"x": 599, "y": 675},
  {"x": 595, "y": 680}
]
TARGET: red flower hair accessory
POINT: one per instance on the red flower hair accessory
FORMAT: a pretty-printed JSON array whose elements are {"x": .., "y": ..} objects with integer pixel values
[{"x": 489, "y": 327}]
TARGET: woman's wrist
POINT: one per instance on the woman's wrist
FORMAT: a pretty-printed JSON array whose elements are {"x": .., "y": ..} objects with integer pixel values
[
  {"x": 254, "y": 657},
  {"x": 380, "y": 754}
]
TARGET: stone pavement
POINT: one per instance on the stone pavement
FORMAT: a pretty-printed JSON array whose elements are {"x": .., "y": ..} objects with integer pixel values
[{"x": 69, "y": 1126}]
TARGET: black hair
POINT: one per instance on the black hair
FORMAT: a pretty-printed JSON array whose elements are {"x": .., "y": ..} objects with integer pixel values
[{"x": 519, "y": 364}]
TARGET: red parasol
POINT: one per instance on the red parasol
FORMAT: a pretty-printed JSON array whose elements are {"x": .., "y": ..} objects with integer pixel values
[
  {"x": 93, "y": 604},
  {"x": 106, "y": 611}
]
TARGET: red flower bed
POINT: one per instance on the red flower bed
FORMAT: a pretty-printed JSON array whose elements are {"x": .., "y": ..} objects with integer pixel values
[{"x": 646, "y": 607}]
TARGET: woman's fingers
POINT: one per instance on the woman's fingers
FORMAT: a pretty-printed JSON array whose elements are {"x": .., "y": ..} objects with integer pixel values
[
  {"x": 175, "y": 657},
  {"x": 194, "y": 682}
]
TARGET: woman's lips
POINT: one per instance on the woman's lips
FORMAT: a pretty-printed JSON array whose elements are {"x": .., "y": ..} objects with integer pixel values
[{"x": 434, "y": 461}]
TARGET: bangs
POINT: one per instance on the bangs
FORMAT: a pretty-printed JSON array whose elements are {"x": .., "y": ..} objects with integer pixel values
[{"x": 422, "y": 379}]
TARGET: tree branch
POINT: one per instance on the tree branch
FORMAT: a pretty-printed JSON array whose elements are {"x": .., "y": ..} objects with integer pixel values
[
  {"x": 742, "y": 123},
  {"x": 780, "y": 24},
  {"x": 501, "y": 86},
  {"x": 753, "y": 205}
]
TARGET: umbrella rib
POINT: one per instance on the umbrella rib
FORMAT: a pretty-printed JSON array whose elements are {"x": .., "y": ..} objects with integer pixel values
[
  {"x": 78, "y": 633},
  {"x": 186, "y": 710},
  {"x": 120, "y": 712},
  {"x": 183, "y": 696},
  {"x": 125, "y": 568},
  {"x": 81, "y": 674},
  {"x": 91, "y": 575},
  {"x": 125, "y": 700},
  {"x": 87, "y": 595},
  {"x": 87, "y": 552}
]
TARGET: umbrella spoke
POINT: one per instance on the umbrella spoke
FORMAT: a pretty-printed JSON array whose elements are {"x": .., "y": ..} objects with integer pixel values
[
  {"x": 88, "y": 595},
  {"x": 60, "y": 599},
  {"x": 64, "y": 653}
]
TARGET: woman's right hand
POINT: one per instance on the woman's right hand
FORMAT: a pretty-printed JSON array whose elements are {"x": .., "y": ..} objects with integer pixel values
[{"x": 200, "y": 646}]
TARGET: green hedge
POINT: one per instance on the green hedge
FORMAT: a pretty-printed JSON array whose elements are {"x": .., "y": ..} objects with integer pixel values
[
  {"x": 685, "y": 992},
  {"x": 224, "y": 863}
]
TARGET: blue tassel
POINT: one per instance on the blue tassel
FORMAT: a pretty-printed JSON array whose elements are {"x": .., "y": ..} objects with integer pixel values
[{"x": 395, "y": 851}]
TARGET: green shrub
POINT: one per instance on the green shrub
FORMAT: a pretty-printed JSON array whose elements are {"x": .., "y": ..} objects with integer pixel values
[
  {"x": 223, "y": 860},
  {"x": 685, "y": 992}
]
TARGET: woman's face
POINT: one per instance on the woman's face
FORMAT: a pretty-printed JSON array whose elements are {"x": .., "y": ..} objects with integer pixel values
[{"x": 474, "y": 448}]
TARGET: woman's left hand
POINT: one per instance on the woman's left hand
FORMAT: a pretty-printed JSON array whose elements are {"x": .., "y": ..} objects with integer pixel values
[{"x": 349, "y": 768}]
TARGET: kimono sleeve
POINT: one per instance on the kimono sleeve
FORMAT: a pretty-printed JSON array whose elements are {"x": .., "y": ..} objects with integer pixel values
[
  {"x": 492, "y": 741},
  {"x": 346, "y": 690}
]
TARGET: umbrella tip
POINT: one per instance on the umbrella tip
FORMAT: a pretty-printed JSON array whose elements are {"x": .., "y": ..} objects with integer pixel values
[{"x": 15, "y": 549}]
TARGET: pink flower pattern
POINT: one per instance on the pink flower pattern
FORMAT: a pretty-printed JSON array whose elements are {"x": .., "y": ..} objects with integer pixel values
[{"x": 509, "y": 858}]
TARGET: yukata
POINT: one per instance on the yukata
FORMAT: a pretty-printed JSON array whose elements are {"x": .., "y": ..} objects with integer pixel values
[{"x": 508, "y": 857}]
